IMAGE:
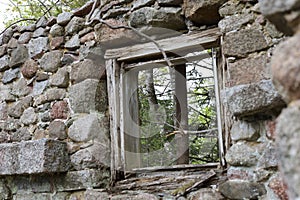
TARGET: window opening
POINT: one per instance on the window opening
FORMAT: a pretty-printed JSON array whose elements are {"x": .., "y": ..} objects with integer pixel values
[{"x": 177, "y": 113}]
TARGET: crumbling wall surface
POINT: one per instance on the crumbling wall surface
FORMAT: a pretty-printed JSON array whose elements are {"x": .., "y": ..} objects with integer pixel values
[
  {"x": 252, "y": 101},
  {"x": 285, "y": 68},
  {"x": 54, "y": 119}
]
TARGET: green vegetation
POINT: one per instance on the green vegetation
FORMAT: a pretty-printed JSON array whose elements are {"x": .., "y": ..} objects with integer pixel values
[
  {"x": 157, "y": 121},
  {"x": 34, "y": 9}
]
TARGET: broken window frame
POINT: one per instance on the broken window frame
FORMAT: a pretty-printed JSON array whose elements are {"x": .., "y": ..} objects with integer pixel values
[{"x": 116, "y": 66}]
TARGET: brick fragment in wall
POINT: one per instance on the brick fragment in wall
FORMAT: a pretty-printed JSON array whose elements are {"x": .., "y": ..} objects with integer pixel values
[
  {"x": 110, "y": 38},
  {"x": 251, "y": 99},
  {"x": 60, "y": 110},
  {"x": 243, "y": 42},
  {"x": 29, "y": 68},
  {"x": 202, "y": 12},
  {"x": 49, "y": 156}
]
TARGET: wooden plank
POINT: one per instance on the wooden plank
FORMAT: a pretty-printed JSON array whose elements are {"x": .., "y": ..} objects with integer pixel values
[
  {"x": 113, "y": 73},
  {"x": 199, "y": 41},
  {"x": 162, "y": 63},
  {"x": 175, "y": 168}
]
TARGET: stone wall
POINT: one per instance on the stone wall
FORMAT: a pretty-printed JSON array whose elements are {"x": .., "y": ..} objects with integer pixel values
[{"x": 54, "y": 125}]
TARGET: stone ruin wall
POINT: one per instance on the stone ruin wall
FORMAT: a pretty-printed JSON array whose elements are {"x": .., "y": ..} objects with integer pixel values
[{"x": 54, "y": 118}]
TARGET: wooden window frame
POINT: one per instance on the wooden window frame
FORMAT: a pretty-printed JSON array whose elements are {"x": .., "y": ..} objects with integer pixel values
[{"x": 118, "y": 97}]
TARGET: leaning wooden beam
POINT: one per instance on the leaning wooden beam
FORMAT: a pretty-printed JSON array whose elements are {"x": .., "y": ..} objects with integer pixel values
[{"x": 198, "y": 41}]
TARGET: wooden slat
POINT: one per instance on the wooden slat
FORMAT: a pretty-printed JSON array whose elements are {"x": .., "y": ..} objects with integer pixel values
[
  {"x": 162, "y": 63},
  {"x": 202, "y": 40},
  {"x": 113, "y": 74}
]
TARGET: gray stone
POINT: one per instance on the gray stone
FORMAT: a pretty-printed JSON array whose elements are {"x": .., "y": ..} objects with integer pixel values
[
  {"x": 21, "y": 134},
  {"x": 29, "y": 28},
  {"x": 166, "y": 17},
  {"x": 114, "y": 12},
  {"x": 235, "y": 22},
  {"x": 20, "y": 88},
  {"x": 245, "y": 100},
  {"x": 170, "y": 2},
  {"x": 5, "y": 94},
  {"x": 38, "y": 46},
  {"x": 203, "y": 12},
  {"x": 97, "y": 156},
  {"x": 88, "y": 95},
  {"x": 64, "y": 18},
  {"x": 25, "y": 37},
  {"x": 18, "y": 56},
  {"x": 242, "y": 130},
  {"x": 247, "y": 174},
  {"x": 10, "y": 75},
  {"x": 57, "y": 129},
  {"x": 89, "y": 127},
  {"x": 40, "y": 32},
  {"x": 287, "y": 138},
  {"x": 57, "y": 30},
  {"x": 244, "y": 154},
  {"x": 269, "y": 157},
  {"x": 271, "y": 7},
  {"x": 45, "y": 116},
  {"x": 4, "y": 63},
  {"x": 285, "y": 66},
  {"x": 41, "y": 76},
  {"x": 29, "y": 116},
  {"x": 272, "y": 30},
  {"x": 73, "y": 43},
  {"x": 10, "y": 125},
  {"x": 78, "y": 180},
  {"x": 12, "y": 44},
  {"x": 75, "y": 25},
  {"x": 51, "y": 61},
  {"x": 5, "y": 192},
  {"x": 6, "y": 36},
  {"x": 29, "y": 68},
  {"x": 34, "y": 196},
  {"x": 3, "y": 50},
  {"x": 32, "y": 157},
  {"x": 57, "y": 42},
  {"x": 235, "y": 189},
  {"x": 51, "y": 94},
  {"x": 60, "y": 78},
  {"x": 87, "y": 69},
  {"x": 142, "y": 3},
  {"x": 139, "y": 196},
  {"x": 42, "y": 22},
  {"x": 39, "y": 87},
  {"x": 93, "y": 194},
  {"x": 3, "y": 111},
  {"x": 205, "y": 194},
  {"x": 244, "y": 42},
  {"x": 17, "y": 109}
]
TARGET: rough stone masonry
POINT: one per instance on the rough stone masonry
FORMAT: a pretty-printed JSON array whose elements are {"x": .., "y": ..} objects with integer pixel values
[{"x": 54, "y": 119}]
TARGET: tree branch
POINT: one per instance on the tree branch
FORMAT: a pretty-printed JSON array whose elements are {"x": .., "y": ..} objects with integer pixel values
[
  {"x": 142, "y": 35},
  {"x": 21, "y": 20}
]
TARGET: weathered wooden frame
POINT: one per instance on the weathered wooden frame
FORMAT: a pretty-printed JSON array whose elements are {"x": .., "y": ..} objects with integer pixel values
[{"x": 115, "y": 68}]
